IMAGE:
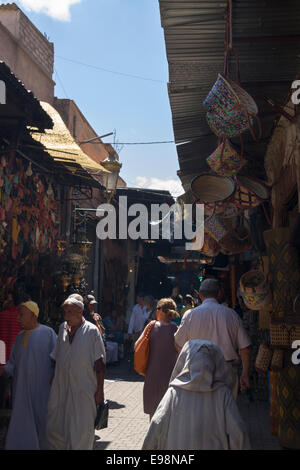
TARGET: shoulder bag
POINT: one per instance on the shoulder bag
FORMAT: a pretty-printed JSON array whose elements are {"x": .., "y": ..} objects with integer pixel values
[{"x": 141, "y": 353}]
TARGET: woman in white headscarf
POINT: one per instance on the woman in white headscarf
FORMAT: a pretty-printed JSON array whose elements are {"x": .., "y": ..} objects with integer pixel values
[{"x": 198, "y": 411}]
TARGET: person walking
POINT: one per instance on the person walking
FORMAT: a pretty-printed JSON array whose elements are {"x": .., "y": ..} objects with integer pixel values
[
  {"x": 162, "y": 355},
  {"x": 30, "y": 366},
  {"x": 150, "y": 307},
  {"x": 188, "y": 304},
  {"x": 137, "y": 319},
  {"x": 222, "y": 326},
  {"x": 78, "y": 381},
  {"x": 198, "y": 411}
]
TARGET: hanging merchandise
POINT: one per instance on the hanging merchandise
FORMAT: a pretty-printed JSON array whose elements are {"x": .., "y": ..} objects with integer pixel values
[
  {"x": 225, "y": 160},
  {"x": 231, "y": 240},
  {"x": 284, "y": 331},
  {"x": 215, "y": 192},
  {"x": 259, "y": 223},
  {"x": 216, "y": 228},
  {"x": 249, "y": 192},
  {"x": 263, "y": 359},
  {"x": 210, "y": 246},
  {"x": 277, "y": 360},
  {"x": 255, "y": 290},
  {"x": 237, "y": 241},
  {"x": 231, "y": 110}
]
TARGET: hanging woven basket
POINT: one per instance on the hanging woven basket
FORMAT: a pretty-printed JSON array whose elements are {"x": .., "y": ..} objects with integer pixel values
[
  {"x": 210, "y": 246},
  {"x": 208, "y": 188},
  {"x": 249, "y": 192},
  {"x": 263, "y": 359},
  {"x": 255, "y": 290},
  {"x": 231, "y": 110},
  {"x": 226, "y": 160}
]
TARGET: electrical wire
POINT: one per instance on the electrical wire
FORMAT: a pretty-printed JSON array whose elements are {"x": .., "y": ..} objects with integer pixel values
[
  {"x": 111, "y": 71},
  {"x": 136, "y": 143},
  {"x": 61, "y": 83}
]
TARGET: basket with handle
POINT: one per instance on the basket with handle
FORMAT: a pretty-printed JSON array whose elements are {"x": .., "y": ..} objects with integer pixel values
[
  {"x": 215, "y": 192},
  {"x": 249, "y": 193},
  {"x": 210, "y": 246},
  {"x": 263, "y": 359},
  {"x": 255, "y": 290},
  {"x": 285, "y": 330},
  {"x": 225, "y": 160},
  {"x": 231, "y": 110},
  {"x": 237, "y": 241}
]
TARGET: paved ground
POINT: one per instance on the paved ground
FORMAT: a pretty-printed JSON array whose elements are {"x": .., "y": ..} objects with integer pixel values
[{"x": 128, "y": 424}]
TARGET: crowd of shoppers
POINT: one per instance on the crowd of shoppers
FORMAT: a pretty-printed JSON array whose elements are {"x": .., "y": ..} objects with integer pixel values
[{"x": 191, "y": 380}]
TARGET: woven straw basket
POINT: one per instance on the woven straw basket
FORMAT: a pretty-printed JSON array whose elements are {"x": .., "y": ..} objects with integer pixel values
[
  {"x": 230, "y": 108},
  {"x": 255, "y": 290},
  {"x": 249, "y": 193},
  {"x": 226, "y": 160},
  {"x": 284, "y": 331},
  {"x": 277, "y": 360},
  {"x": 263, "y": 359},
  {"x": 212, "y": 188}
]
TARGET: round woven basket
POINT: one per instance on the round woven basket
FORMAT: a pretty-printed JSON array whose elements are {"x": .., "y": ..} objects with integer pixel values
[
  {"x": 256, "y": 187},
  {"x": 253, "y": 282},
  {"x": 212, "y": 188},
  {"x": 255, "y": 290}
]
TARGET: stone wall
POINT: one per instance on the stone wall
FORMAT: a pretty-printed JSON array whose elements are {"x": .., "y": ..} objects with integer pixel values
[{"x": 27, "y": 52}]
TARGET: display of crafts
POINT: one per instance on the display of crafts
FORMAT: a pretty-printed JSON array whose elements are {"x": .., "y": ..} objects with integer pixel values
[
  {"x": 28, "y": 211},
  {"x": 226, "y": 195}
]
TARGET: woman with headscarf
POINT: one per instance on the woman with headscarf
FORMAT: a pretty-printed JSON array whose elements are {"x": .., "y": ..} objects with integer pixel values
[{"x": 198, "y": 411}]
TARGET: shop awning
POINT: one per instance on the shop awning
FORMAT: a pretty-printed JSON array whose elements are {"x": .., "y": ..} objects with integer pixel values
[
  {"x": 15, "y": 92},
  {"x": 61, "y": 146},
  {"x": 267, "y": 37}
]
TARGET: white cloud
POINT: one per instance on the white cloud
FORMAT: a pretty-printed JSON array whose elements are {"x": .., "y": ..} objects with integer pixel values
[
  {"x": 57, "y": 9},
  {"x": 172, "y": 185}
]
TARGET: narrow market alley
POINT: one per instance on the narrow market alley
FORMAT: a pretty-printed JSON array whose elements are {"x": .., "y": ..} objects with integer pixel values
[{"x": 128, "y": 424}]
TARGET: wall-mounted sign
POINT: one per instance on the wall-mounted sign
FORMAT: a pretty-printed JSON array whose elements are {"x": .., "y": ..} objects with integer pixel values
[{"x": 2, "y": 92}]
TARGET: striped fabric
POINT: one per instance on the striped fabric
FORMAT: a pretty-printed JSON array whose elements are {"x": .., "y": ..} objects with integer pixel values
[{"x": 9, "y": 328}]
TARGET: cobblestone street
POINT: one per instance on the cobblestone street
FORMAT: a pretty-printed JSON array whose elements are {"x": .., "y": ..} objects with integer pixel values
[{"x": 128, "y": 424}]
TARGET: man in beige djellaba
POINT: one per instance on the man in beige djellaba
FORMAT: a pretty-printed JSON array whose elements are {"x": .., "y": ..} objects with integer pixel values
[{"x": 78, "y": 381}]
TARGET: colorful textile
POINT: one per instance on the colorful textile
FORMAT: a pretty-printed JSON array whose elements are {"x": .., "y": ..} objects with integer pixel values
[{"x": 9, "y": 328}]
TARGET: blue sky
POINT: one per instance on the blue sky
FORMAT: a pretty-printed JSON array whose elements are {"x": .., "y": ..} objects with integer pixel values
[{"x": 125, "y": 36}]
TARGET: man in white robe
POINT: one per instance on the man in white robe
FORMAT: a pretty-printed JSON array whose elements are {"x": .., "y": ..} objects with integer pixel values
[
  {"x": 31, "y": 369},
  {"x": 198, "y": 411},
  {"x": 78, "y": 382}
]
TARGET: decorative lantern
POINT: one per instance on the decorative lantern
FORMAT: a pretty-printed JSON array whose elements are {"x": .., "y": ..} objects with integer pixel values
[{"x": 111, "y": 179}]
